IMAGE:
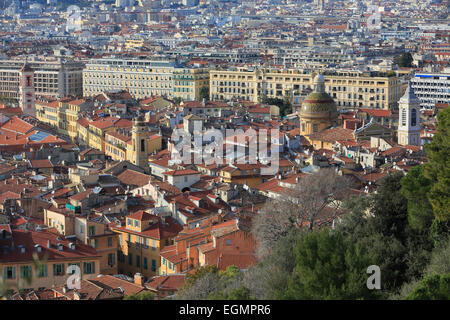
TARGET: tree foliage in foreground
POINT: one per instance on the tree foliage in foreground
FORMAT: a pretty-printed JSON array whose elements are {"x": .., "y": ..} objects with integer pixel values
[
  {"x": 379, "y": 222},
  {"x": 329, "y": 266},
  {"x": 433, "y": 287},
  {"x": 144, "y": 295},
  {"x": 437, "y": 169}
]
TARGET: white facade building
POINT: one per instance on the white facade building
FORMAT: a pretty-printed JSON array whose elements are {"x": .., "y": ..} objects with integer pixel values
[{"x": 431, "y": 88}]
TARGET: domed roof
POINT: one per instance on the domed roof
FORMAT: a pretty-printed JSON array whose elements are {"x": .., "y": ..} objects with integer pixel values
[{"x": 318, "y": 101}]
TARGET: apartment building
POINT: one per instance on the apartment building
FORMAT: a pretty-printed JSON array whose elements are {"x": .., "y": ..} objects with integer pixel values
[
  {"x": 187, "y": 82},
  {"x": 142, "y": 78},
  {"x": 55, "y": 253},
  {"x": 68, "y": 113},
  {"x": 52, "y": 77},
  {"x": 431, "y": 88},
  {"x": 140, "y": 241},
  {"x": 47, "y": 112},
  {"x": 349, "y": 89}
]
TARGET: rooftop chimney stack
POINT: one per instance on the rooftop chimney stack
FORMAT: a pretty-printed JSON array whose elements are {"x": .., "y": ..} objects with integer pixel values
[{"x": 139, "y": 279}]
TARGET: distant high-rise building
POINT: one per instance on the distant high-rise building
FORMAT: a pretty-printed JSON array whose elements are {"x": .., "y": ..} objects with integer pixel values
[
  {"x": 53, "y": 78},
  {"x": 431, "y": 88}
]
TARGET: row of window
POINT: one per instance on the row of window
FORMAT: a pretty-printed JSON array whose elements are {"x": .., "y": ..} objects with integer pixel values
[
  {"x": 144, "y": 262},
  {"x": 41, "y": 271}
]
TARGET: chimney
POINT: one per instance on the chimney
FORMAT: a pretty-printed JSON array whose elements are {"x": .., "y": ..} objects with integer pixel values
[{"x": 139, "y": 279}]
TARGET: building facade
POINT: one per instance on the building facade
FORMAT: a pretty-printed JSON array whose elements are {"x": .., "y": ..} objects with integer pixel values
[
  {"x": 54, "y": 78},
  {"x": 187, "y": 82},
  {"x": 349, "y": 89},
  {"x": 55, "y": 254},
  {"x": 431, "y": 88},
  {"x": 142, "y": 78}
]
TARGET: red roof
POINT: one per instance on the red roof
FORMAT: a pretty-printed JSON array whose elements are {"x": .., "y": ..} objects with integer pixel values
[
  {"x": 181, "y": 172},
  {"x": 29, "y": 239},
  {"x": 377, "y": 112}
]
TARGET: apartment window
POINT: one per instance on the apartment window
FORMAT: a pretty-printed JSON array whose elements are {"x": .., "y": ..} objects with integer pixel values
[
  {"x": 146, "y": 242},
  {"x": 315, "y": 127},
  {"x": 153, "y": 245},
  {"x": 94, "y": 243},
  {"x": 72, "y": 270},
  {"x": 130, "y": 259},
  {"x": 120, "y": 239},
  {"x": 89, "y": 267},
  {"x": 153, "y": 265},
  {"x": 110, "y": 241},
  {"x": 111, "y": 259},
  {"x": 164, "y": 261},
  {"x": 130, "y": 222},
  {"x": 228, "y": 242},
  {"x": 9, "y": 272},
  {"x": 91, "y": 230},
  {"x": 42, "y": 271},
  {"x": 138, "y": 261},
  {"x": 58, "y": 269},
  {"x": 145, "y": 263},
  {"x": 136, "y": 223}
]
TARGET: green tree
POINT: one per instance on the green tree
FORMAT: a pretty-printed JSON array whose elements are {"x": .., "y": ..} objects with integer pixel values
[
  {"x": 284, "y": 104},
  {"x": 415, "y": 188},
  {"x": 404, "y": 60},
  {"x": 204, "y": 93},
  {"x": 433, "y": 287},
  {"x": 437, "y": 168},
  {"x": 379, "y": 222},
  {"x": 199, "y": 273},
  {"x": 329, "y": 266},
  {"x": 144, "y": 295},
  {"x": 177, "y": 100},
  {"x": 241, "y": 293}
]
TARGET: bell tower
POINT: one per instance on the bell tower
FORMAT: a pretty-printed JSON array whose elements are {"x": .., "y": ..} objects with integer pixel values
[
  {"x": 139, "y": 143},
  {"x": 409, "y": 119},
  {"x": 27, "y": 98}
]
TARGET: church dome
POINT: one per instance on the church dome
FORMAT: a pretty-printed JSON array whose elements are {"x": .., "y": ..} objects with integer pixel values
[{"x": 319, "y": 101}]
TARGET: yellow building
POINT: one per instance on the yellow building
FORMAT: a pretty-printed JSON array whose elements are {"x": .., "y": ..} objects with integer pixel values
[
  {"x": 68, "y": 112},
  {"x": 97, "y": 130},
  {"x": 242, "y": 174},
  {"x": 116, "y": 145},
  {"x": 83, "y": 131},
  {"x": 349, "y": 89},
  {"x": 187, "y": 82},
  {"x": 47, "y": 112},
  {"x": 141, "y": 240},
  {"x": 134, "y": 43},
  {"x": 318, "y": 110},
  {"x": 142, "y": 78},
  {"x": 55, "y": 253},
  {"x": 91, "y": 231}
]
